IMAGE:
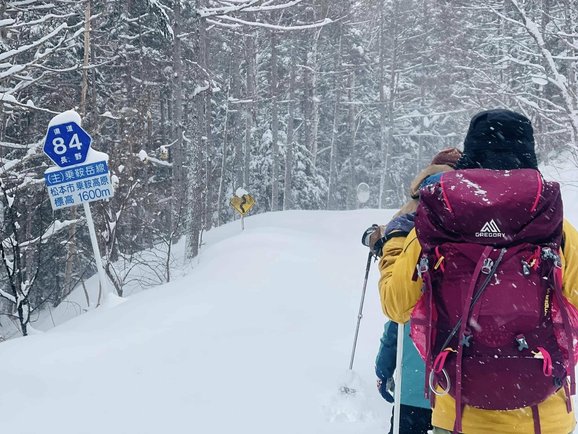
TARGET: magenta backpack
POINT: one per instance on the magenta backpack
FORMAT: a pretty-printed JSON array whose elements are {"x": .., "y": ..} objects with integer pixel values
[{"x": 492, "y": 324}]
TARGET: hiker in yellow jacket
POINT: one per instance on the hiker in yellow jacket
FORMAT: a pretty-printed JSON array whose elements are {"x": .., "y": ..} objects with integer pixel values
[{"x": 399, "y": 294}]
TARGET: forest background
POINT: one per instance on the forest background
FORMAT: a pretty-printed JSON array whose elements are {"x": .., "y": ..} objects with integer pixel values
[{"x": 296, "y": 101}]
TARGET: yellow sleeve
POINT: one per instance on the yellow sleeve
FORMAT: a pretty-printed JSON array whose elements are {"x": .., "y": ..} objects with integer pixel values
[
  {"x": 570, "y": 263},
  {"x": 398, "y": 292}
]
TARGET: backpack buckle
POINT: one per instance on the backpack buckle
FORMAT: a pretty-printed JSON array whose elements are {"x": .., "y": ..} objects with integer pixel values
[
  {"x": 549, "y": 255},
  {"x": 522, "y": 343},
  {"x": 466, "y": 340},
  {"x": 432, "y": 383},
  {"x": 422, "y": 266},
  {"x": 488, "y": 265}
]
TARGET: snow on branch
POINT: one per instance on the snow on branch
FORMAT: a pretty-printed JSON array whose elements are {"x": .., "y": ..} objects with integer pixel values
[
  {"x": 12, "y": 145},
  {"x": 30, "y": 5},
  {"x": 8, "y": 99},
  {"x": 211, "y": 12},
  {"x": 6, "y": 22},
  {"x": 271, "y": 7},
  {"x": 200, "y": 89},
  {"x": 521, "y": 62},
  {"x": 228, "y": 26},
  {"x": 564, "y": 37},
  {"x": 548, "y": 114},
  {"x": 15, "y": 69},
  {"x": 35, "y": 44},
  {"x": 54, "y": 229},
  {"x": 7, "y": 296},
  {"x": 76, "y": 67},
  {"x": 157, "y": 162},
  {"x": 17, "y": 4},
  {"x": 11, "y": 24},
  {"x": 162, "y": 9},
  {"x": 33, "y": 149},
  {"x": 556, "y": 78},
  {"x": 318, "y": 24},
  {"x": 546, "y": 102}
]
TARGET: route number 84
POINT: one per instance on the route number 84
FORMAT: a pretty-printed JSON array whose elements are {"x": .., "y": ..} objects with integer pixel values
[{"x": 60, "y": 148}]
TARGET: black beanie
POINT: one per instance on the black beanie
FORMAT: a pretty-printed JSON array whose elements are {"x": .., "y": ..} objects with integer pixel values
[{"x": 499, "y": 139}]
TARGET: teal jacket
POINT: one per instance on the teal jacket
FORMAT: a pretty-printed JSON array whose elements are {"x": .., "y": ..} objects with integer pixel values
[{"x": 413, "y": 368}]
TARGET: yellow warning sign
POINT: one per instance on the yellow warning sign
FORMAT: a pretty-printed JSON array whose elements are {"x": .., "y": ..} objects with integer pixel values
[{"x": 242, "y": 204}]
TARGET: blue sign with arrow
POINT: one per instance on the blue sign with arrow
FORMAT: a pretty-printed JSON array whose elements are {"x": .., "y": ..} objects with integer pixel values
[{"x": 67, "y": 144}]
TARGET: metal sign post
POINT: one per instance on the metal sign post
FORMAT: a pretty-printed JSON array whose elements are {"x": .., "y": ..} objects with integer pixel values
[
  {"x": 103, "y": 293},
  {"x": 76, "y": 181}
]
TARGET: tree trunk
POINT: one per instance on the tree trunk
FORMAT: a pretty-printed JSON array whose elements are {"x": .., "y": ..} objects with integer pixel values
[
  {"x": 178, "y": 146},
  {"x": 391, "y": 102},
  {"x": 288, "y": 188},
  {"x": 331, "y": 184},
  {"x": 311, "y": 101},
  {"x": 207, "y": 139},
  {"x": 352, "y": 129},
  {"x": 71, "y": 252},
  {"x": 312, "y": 143},
  {"x": 2, "y": 15},
  {"x": 313, "y": 133},
  {"x": 194, "y": 156},
  {"x": 225, "y": 140},
  {"x": 250, "y": 112},
  {"x": 385, "y": 144},
  {"x": 235, "y": 119},
  {"x": 274, "y": 127},
  {"x": 571, "y": 16}
]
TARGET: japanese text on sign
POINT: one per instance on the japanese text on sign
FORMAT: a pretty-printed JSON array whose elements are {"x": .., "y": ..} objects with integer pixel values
[
  {"x": 79, "y": 184},
  {"x": 76, "y": 173}
]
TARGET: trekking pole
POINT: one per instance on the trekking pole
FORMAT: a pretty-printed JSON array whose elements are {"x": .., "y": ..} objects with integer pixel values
[
  {"x": 397, "y": 378},
  {"x": 360, "y": 314},
  {"x": 349, "y": 387}
]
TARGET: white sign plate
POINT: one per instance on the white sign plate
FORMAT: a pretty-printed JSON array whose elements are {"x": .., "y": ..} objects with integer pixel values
[{"x": 76, "y": 185}]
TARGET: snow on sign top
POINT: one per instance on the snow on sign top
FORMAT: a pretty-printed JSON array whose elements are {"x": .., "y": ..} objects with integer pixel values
[
  {"x": 65, "y": 117},
  {"x": 66, "y": 142},
  {"x": 240, "y": 192}
]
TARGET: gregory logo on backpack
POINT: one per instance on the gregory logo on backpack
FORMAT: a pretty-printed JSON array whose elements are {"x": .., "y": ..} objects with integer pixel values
[{"x": 490, "y": 229}]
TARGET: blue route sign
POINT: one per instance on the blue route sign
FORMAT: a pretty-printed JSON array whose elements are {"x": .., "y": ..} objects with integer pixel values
[{"x": 67, "y": 144}]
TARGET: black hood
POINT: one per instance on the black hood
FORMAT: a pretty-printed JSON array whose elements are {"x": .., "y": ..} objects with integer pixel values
[{"x": 499, "y": 139}]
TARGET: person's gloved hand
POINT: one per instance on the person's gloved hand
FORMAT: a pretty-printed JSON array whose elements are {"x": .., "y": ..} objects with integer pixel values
[
  {"x": 371, "y": 238},
  {"x": 400, "y": 226},
  {"x": 386, "y": 388},
  {"x": 376, "y": 236}
]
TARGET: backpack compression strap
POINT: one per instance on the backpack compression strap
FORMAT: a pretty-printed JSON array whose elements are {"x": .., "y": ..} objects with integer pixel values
[{"x": 463, "y": 321}]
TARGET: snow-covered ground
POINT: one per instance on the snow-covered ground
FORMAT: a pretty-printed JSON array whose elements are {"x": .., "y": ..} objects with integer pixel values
[{"x": 253, "y": 338}]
